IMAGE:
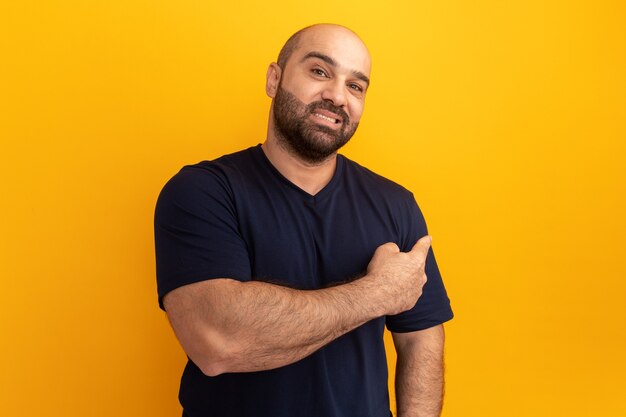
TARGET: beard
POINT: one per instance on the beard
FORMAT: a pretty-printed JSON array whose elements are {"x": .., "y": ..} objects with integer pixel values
[{"x": 299, "y": 135}]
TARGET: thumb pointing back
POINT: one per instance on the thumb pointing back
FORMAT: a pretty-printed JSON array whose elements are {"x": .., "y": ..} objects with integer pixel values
[{"x": 422, "y": 246}]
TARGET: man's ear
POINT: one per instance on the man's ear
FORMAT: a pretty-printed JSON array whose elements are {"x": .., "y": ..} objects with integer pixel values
[{"x": 272, "y": 79}]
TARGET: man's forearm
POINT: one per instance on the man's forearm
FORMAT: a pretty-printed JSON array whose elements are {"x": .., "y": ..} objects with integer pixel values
[
  {"x": 275, "y": 326},
  {"x": 229, "y": 326},
  {"x": 268, "y": 326},
  {"x": 420, "y": 374}
]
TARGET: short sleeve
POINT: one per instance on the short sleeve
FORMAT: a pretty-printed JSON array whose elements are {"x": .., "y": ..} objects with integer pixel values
[
  {"x": 433, "y": 307},
  {"x": 196, "y": 231}
]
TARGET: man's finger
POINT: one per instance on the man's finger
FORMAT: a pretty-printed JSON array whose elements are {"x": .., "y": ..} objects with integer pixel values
[
  {"x": 422, "y": 245},
  {"x": 389, "y": 247}
]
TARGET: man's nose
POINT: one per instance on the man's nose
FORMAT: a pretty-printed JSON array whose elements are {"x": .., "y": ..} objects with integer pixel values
[{"x": 335, "y": 92}]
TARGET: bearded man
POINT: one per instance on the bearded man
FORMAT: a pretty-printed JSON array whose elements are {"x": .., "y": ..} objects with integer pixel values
[{"x": 279, "y": 266}]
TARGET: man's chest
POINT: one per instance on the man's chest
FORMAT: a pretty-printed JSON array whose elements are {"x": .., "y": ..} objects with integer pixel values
[{"x": 307, "y": 243}]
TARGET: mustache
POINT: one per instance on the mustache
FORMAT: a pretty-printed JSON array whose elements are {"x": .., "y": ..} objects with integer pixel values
[{"x": 326, "y": 105}]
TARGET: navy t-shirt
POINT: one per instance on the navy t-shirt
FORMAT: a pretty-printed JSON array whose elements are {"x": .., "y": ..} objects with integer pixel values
[{"x": 238, "y": 217}]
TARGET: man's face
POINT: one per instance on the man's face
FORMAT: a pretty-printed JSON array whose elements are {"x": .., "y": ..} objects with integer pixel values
[
  {"x": 313, "y": 140},
  {"x": 320, "y": 97}
]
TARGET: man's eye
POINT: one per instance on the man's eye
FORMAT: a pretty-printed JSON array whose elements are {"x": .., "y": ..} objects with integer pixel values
[
  {"x": 319, "y": 72},
  {"x": 356, "y": 87}
]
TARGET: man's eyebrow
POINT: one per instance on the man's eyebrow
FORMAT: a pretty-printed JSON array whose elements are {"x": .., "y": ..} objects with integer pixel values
[
  {"x": 361, "y": 76},
  {"x": 321, "y": 56},
  {"x": 331, "y": 62}
]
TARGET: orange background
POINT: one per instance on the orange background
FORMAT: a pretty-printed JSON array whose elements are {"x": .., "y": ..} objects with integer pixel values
[{"x": 506, "y": 119}]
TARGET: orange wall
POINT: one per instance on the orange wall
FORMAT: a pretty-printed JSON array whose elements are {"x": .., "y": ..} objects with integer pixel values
[{"x": 506, "y": 119}]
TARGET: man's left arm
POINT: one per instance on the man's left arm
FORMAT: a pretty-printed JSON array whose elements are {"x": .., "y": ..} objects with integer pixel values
[{"x": 419, "y": 372}]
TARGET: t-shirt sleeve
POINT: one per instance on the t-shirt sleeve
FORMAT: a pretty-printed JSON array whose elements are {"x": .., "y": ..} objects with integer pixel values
[
  {"x": 196, "y": 231},
  {"x": 433, "y": 307}
]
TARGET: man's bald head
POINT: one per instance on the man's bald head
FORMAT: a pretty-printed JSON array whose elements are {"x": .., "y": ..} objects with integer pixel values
[{"x": 294, "y": 40}]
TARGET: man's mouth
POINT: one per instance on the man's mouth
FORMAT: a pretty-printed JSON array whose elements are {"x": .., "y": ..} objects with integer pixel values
[{"x": 327, "y": 118}]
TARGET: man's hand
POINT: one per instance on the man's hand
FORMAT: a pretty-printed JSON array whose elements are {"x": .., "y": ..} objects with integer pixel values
[{"x": 400, "y": 275}]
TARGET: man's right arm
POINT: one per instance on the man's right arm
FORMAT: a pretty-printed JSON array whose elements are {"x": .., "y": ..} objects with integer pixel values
[{"x": 226, "y": 325}]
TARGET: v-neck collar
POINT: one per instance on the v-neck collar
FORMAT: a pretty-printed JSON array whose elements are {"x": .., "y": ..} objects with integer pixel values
[{"x": 332, "y": 184}]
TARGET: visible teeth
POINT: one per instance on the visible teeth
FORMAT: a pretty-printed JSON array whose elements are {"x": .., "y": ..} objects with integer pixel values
[{"x": 330, "y": 119}]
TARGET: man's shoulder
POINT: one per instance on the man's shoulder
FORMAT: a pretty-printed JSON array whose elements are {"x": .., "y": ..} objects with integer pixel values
[
  {"x": 235, "y": 161},
  {"x": 223, "y": 169},
  {"x": 361, "y": 176},
  {"x": 210, "y": 177}
]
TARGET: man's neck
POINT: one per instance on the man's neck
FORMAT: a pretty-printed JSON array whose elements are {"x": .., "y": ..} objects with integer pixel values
[{"x": 312, "y": 178}]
